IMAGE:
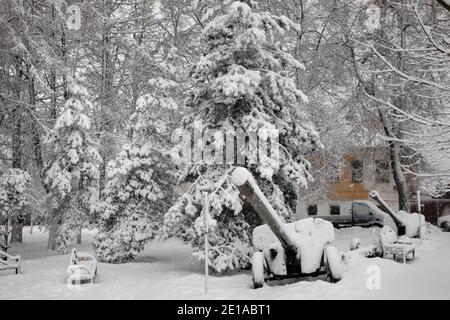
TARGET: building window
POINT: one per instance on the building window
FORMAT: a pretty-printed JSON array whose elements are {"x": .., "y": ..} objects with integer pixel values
[
  {"x": 334, "y": 171},
  {"x": 357, "y": 171},
  {"x": 312, "y": 210},
  {"x": 335, "y": 210},
  {"x": 381, "y": 171}
]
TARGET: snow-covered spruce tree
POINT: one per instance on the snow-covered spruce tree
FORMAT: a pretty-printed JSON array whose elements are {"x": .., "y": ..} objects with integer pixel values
[
  {"x": 243, "y": 82},
  {"x": 72, "y": 174},
  {"x": 14, "y": 200},
  {"x": 140, "y": 186}
]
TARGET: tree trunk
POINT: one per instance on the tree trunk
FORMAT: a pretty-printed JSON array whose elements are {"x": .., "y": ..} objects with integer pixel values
[
  {"x": 51, "y": 244},
  {"x": 17, "y": 138},
  {"x": 399, "y": 177},
  {"x": 36, "y": 136},
  {"x": 105, "y": 99},
  {"x": 53, "y": 110},
  {"x": 16, "y": 235},
  {"x": 17, "y": 132},
  {"x": 394, "y": 145},
  {"x": 53, "y": 232},
  {"x": 17, "y": 148},
  {"x": 102, "y": 178},
  {"x": 31, "y": 222},
  {"x": 79, "y": 236},
  {"x": 64, "y": 50},
  {"x": 396, "y": 168},
  {"x": 54, "y": 222},
  {"x": 5, "y": 244}
]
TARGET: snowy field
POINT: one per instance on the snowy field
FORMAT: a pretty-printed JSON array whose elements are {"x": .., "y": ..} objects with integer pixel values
[{"x": 168, "y": 271}]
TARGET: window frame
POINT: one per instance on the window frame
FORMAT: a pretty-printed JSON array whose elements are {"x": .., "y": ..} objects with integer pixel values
[
  {"x": 354, "y": 172},
  {"x": 335, "y": 206},
  {"x": 312, "y": 206},
  {"x": 334, "y": 173}
]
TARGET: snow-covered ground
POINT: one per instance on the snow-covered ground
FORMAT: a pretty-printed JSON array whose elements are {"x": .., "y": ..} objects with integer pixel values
[{"x": 168, "y": 271}]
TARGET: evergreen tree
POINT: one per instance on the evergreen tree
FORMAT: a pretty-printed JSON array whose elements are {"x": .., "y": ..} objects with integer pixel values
[
  {"x": 140, "y": 186},
  {"x": 244, "y": 82},
  {"x": 14, "y": 200},
  {"x": 72, "y": 175}
]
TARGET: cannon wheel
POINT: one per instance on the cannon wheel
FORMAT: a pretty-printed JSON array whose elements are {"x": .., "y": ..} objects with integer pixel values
[
  {"x": 333, "y": 264},
  {"x": 259, "y": 269}
]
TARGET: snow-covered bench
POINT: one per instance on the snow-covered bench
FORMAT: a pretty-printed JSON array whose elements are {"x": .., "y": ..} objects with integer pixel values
[
  {"x": 395, "y": 247},
  {"x": 8, "y": 262},
  {"x": 83, "y": 266}
]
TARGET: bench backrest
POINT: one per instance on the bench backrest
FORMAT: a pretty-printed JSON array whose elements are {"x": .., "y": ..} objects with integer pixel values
[
  {"x": 74, "y": 257},
  {"x": 387, "y": 236}
]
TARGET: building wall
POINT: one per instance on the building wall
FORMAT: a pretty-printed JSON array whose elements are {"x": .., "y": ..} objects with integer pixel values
[
  {"x": 323, "y": 208},
  {"x": 344, "y": 191}
]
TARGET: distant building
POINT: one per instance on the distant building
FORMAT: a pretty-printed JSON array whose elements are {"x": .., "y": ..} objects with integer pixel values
[{"x": 360, "y": 172}]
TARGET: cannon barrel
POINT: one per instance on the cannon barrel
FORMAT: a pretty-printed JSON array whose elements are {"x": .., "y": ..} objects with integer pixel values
[
  {"x": 248, "y": 188},
  {"x": 401, "y": 228}
]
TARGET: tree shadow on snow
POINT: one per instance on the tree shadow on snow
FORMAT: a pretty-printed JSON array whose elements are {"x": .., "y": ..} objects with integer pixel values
[
  {"x": 275, "y": 283},
  {"x": 190, "y": 264},
  {"x": 173, "y": 254}
]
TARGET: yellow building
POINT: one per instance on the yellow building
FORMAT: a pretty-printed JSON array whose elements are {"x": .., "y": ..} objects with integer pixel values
[{"x": 360, "y": 172}]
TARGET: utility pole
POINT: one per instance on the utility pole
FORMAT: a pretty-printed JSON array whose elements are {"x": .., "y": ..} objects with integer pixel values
[
  {"x": 418, "y": 211},
  {"x": 206, "y": 222}
]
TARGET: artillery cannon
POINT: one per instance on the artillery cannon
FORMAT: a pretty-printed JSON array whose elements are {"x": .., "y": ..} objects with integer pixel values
[
  {"x": 396, "y": 245},
  {"x": 401, "y": 227},
  {"x": 408, "y": 224},
  {"x": 286, "y": 250}
]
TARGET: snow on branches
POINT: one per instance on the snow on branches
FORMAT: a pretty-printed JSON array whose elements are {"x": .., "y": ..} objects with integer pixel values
[
  {"x": 243, "y": 84},
  {"x": 14, "y": 199},
  {"x": 140, "y": 178},
  {"x": 133, "y": 202},
  {"x": 244, "y": 81},
  {"x": 76, "y": 155},
  {"x": 72, "y": 175}
]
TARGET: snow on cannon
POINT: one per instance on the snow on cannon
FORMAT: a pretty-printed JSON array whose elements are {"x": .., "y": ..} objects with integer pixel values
[
  {"x": 390, "y": 244},
  {"x": 408, "y": 224},
  {"x": 287, "y": 250},
  {"x": 401, "y": 228}
]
